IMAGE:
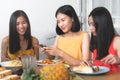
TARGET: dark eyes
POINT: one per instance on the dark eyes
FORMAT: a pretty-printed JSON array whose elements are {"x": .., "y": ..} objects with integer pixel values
[
  {"x": 91, "y": 24},
  {"x": 62, "y": 20},
  {"x": 21, "y": 23}
]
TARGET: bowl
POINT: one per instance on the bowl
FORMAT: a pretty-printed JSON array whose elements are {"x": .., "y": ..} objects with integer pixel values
[{"x": 14, "y": 67}]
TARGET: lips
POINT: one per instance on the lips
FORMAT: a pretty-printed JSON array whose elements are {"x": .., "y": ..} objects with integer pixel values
[
  {"x": 22, "y": 31},
  {"x": 62, "y": 28}
]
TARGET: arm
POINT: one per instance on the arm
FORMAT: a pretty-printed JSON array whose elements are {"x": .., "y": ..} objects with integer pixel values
[
  {"x": 36, "y": 49},
  {"x": 112, "y": 59},
  {"x": 117, "y": 48},
  {"x": 72, "y": 61},
  {"x": 55, "y": 45},
  {"x": 4, "y": 48},
  {"x": 85, "y": 51},
  {"x": 54, "y": 51},
  {"x": 85, "y": 47},
  {"x": 66, "y": 57}
]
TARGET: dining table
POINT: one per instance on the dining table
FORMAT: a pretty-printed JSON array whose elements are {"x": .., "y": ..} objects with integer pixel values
[{"x": 105, "y": 76}]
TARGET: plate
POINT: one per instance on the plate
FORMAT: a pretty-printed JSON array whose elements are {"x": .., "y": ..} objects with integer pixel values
[
  {"x": 102, "y": 70},
  {"x": 55, "y": 61},
  {"x": 39, "y": 63},
  {"x": 6, "y": 64},
  {"x": 13, "y": 68}
]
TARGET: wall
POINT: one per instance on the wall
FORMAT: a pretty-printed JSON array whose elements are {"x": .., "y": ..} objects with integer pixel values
[{"x": 41, "y": 14}]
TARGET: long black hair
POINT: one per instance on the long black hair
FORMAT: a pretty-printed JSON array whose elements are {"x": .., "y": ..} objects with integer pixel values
[
  {"x": 105, "y": 31},
  {"x": 69, "y": 11},
  {"x": 14, "y": 41}
]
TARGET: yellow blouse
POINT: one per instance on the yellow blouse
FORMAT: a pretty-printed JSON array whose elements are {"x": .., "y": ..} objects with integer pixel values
[
  {"x": 21, "y": 52},
  {"x": 71, "y": 46}
]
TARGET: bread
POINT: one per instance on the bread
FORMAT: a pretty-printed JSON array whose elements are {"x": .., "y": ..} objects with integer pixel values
[
  {"x": 5, "y": 73},
  {"x": 12, "y": 77},
  {"x": 2, "y": 69},
  {"x": 85, "y": 69}
]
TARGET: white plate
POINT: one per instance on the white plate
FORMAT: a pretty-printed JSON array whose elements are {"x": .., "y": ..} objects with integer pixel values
[
  {"x": 5, "y": 64},
  {"x": 13, "y": 68},
  {"x": 102, "y": 70},
  {"x": 39, "y": 63}
]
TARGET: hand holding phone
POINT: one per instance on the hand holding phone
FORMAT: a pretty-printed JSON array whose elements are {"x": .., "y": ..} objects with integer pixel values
[{"x": 42, "y": 45}]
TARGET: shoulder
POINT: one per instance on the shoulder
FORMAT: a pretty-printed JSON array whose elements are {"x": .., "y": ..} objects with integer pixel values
[
  {"x": 116, "y": 42},
  {"x": 85, "y": 34},
  {"x": 58, "y": 37},
  {"x": 5, "y": 40},
  {"x": 35, "y": 40},
  {"x": 116, "y": 39},
  {"x": 56, "y": 40},
  {"x": 85, "y": 37}
]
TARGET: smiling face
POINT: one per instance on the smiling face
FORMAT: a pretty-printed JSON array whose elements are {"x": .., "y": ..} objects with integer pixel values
[
  {"x": 64, "y": 22},
  {"x": 92, "y": 25},
  {"x": 21, "y": 25}
]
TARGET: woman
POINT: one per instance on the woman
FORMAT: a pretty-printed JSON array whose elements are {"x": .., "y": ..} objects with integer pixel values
[
  {"x": 19, "y": 41},
  {"x": 105, "y": 43},
  {"x": 72, "y": 44}
]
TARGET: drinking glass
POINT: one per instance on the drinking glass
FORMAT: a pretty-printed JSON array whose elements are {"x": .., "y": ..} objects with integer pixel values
[{"x": 28, "y": 61}]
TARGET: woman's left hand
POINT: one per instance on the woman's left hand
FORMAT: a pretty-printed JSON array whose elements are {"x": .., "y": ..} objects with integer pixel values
[{"x": 111, "y": 59}]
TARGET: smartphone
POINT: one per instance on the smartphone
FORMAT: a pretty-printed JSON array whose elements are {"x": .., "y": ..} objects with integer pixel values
[{"x": 41, "y": 45}]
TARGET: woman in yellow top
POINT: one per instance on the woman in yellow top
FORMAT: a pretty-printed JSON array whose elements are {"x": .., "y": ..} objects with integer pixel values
[
  {"x": 19, "y": 41},
  {"x": 72, "y": 44}
]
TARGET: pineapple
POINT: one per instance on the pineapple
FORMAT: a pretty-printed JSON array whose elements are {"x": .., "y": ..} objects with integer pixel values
[
  {"x": 54, "y": 72},
  {"x": 30, "y": 74}
]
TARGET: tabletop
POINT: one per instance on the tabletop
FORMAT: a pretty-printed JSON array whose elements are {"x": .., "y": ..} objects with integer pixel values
[{"x": 106, "y": 76}]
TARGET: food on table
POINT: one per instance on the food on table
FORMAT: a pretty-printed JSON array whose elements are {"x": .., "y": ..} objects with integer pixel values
[
  {"x": 14, "y": 63},
  {"x": 12, "y": 77},
  {"x": 86, "y": 69},
  {"x": 96, "y": 69},
  {"x": 2, "y": 69},
  {"x": 47, "y": 61},
  {"x": 5, "y": 73},
  {"x": 54, "y": 72},
  {"x": 81, "y": 68}
]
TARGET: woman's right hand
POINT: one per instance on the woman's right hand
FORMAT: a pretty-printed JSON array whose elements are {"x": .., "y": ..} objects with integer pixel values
[
  {"x": 42, "y": 48},
  {"x": 86, "y": 63}
]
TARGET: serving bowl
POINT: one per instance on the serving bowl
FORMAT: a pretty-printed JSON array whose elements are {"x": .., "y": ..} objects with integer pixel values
[{"x": 12, "y": 65}]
